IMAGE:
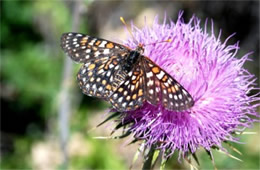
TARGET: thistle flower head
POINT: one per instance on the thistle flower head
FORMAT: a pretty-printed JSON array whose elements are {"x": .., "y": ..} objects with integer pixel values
[{"x": 208, "y": 69}]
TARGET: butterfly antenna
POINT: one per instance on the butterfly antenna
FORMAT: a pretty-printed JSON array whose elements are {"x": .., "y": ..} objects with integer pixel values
[
  {"x": 123, "y": 21},
  {"x": 163, "y": 41}
]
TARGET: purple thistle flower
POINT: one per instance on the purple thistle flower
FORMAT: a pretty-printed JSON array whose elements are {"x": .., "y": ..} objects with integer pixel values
[{"x": 208, "y": 69}]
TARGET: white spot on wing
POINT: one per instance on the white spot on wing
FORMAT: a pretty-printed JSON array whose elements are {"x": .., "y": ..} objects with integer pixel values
[
  {"x": 100, "y": 88},
  {"x": 83, "y": 71},
  {"x": 87, "y": 56},
  {"x": 115, "y": 95},
  {"x": 120, "y": 99},
  {"x": 97, "y": 53},
  {"x": 127, "y": 82},
  {"x": 94, "y": 87},
  {"x": 117, "y": 67},
  {"x": 149, "y": 74},
  {"x": 103, "y": 44},
  {"x": 124, "y": 104},
  {"x": 132, "y": 88},
  {"x": 184, "y": 91},
  {"x": 92, "y": 41},
  {"x": 150, "y": 83},
  {"x": 130, "y": 73},
  {"x": 109, "y": 73},
  {"x": 100, "y": 71},
  {"x": 160, "y": 75},
  {"x": 111, "y": 65},
  {"x": 164, "y": 91},
  {"x": 106, "y": 51}
]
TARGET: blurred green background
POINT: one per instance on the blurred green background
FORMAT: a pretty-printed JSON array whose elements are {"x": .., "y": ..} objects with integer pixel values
[{"x": 46, "y": 121}]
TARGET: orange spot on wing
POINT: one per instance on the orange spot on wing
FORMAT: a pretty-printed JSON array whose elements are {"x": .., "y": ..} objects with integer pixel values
[
  {"x": 136, "y": 73},
  {"x": 173, "y": 89},
  {"x": 83, "y": 41},
  {"x": 156, "y": 70},
  {"x": 140, "y": 92},
  {"x": 120, "y": 89},
  {"x": 165, "y": 78},
  {"x": 110, "y": 45},
  {"x": 136, "y": 85},
  {"x": 108, "y": 87},
  {"x": 115, "y": 62},
  {"x": 104, "y": 82},
  {"x": 97, "y": 43},
  {"x": 91, "y": 66},
  {"x": 90, "y": 73}
]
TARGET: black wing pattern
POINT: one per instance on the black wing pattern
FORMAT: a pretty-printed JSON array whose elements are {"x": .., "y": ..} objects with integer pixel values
[{"x": 102, "y": 60}]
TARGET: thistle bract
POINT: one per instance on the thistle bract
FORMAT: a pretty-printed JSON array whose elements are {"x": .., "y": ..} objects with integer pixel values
[{"x": 211, "y": 73}]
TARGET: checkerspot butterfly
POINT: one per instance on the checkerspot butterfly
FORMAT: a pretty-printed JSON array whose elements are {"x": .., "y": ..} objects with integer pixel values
[{"x": 123, "y": 76}]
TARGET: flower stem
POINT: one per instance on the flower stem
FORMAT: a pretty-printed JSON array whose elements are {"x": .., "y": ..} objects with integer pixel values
[{"x": 148, "y": 162}]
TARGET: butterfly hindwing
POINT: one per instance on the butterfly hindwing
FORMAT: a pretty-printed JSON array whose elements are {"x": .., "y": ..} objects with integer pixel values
[
  {"x": 130, "y": 94},
  {"x": 152, "y": 88},
  {"x": 97, "y": 77},
  {"x": 170, "y": 93},
  {"x": 102, "y": 60}
]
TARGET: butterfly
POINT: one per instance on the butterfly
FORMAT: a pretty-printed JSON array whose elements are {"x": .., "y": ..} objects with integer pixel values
[{"x": 123, "y": 76}]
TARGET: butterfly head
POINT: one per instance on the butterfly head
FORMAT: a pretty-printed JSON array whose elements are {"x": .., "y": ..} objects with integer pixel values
[{"x": 140, "y": 48}]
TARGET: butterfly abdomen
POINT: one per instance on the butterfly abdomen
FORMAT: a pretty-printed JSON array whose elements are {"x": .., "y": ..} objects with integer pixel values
[{"x": 119, "y": 78}]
